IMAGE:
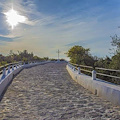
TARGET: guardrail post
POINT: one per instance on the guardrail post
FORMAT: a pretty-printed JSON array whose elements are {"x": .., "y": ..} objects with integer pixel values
[
  {"x": 16, "y": 65},
  {"x": 67, "y": 64},
  {"x": 19, "y": 64},
  {"x": 12, "y": 67},
  {"x": 79, "y": 70},
  {"x": 93, "y": 75},
  {"x": 8, "y": 69},
  {"x": 4, "y": 73}
]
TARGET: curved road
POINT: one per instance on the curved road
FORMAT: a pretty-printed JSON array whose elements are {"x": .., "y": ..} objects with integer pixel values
[{"x": 47, "y": 92}]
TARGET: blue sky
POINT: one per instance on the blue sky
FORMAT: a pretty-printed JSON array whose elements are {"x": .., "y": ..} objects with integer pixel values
[{"x": 60, "y": 24}]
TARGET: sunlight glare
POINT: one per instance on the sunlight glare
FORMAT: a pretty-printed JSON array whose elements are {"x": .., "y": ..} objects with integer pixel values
[{"x": 13, "y": 18}]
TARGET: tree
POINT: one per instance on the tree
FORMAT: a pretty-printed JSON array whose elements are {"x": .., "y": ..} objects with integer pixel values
[
  {"x": 20, "y": 56},
  {"x": 80, "y": 55},
  {"x": 115, "y": 63},
  {"x": 104, "y": 63},
  {"x": 116, "y": 42}
]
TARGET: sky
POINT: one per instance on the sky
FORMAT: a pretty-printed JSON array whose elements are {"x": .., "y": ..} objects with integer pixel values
[{"x": 59, "y": 24}]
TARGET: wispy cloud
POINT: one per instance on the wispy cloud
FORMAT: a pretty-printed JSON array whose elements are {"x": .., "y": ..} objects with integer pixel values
[
  {"x": 81, "y": 43},
  {"x": 6, "y": 39},
  {"x": 7, "y": 36}
]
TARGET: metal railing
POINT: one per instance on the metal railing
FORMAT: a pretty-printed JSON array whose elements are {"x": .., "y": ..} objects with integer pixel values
[{"x": 96, "y": 71}]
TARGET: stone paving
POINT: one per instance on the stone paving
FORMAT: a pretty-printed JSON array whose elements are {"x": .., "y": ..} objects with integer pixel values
[{"x": 47, "y": 92}]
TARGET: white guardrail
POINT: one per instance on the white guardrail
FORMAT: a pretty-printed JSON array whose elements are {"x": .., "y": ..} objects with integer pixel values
[
  {"x": 99, "y": 87},
  {"x": 8, "y": 71}
]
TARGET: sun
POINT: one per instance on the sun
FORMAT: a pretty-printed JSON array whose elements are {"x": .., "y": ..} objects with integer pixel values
[{"x": 13, "y": 18}]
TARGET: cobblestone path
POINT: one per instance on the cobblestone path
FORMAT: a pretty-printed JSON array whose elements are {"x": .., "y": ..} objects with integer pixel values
[{"x": 47, "y": 92}]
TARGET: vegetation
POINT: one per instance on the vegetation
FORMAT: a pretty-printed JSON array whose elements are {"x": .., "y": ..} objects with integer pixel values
[
  {"x": 82, "y": 56},
  {"x": 20, "y": 56},
  {"x": 116, "y": 42}
]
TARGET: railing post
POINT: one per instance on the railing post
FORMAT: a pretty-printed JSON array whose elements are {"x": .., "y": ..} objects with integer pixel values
[
  {"x": 93, "y": 75},
  {"x": 12, "y": 67},
  {"x": 4, "y": 73},
  {"x": 79, "y": 70},
  {"x": 74, "y": 68},
  {"x": 16, "y": 65},
  {"x": 19, "y": 64},
  {"x": 8, "y": 69}
]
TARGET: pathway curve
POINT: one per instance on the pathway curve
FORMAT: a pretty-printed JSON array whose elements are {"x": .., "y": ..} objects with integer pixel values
[{"x": 47, "y": 92}]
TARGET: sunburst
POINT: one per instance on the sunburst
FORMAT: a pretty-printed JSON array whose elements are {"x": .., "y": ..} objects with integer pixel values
[{"x": 14, "y": 18}]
